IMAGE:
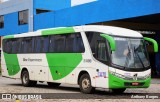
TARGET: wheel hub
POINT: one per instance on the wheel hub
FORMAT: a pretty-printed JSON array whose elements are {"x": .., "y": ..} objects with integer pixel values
[
  {"x": 25, "y": 79},
  {"x": 85, "y": 83}
]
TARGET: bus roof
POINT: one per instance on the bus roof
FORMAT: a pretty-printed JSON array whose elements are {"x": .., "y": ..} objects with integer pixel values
[{"x": 110, "y": 30}]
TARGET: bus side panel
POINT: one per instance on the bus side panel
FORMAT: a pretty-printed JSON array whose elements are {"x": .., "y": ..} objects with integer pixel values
[
  {"x": 87, "y": 64},
  {"x": 91, "y": 71},
  {"x": 102, "y": 75},
  {"x": 88, "y": 67},
  {"x": 36, "y": 64},
  {"x": 62, "y": 64},
  {"x": 4, "y": 70},
  {"x": 11, "y": 65}
]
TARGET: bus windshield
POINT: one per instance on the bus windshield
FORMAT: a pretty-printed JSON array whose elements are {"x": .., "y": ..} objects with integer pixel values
[{"x": 130, "y": 53}]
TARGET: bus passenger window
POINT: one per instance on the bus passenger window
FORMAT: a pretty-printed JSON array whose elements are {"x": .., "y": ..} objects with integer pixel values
[
  {"x": 42, "y": 44},
  {"x": 80, "y": 45},
  {"x": 15, "y": 46},
  {"x": 59, "y": 43},
  {"x": 26, "y": 45},
  {"x": 45, "y": 44},
  {"x": 7, "y": 46},
  {"x": 70, "y": 43},
  {"x": 51, "y": 45}
]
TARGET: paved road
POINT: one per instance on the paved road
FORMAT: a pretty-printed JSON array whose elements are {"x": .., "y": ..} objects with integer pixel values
[{"x": 72, "y": 91}]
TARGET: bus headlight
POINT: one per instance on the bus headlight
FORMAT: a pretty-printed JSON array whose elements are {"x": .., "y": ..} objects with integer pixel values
[
  {"x": 148, "y": 76},
  {"x": 117, "y": 75}
]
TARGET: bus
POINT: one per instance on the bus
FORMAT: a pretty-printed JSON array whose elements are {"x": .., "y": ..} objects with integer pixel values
[{"x": 91, "y": 56}]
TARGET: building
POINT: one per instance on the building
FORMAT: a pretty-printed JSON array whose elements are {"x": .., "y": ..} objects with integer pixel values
[{"x": 19, "y": 16}]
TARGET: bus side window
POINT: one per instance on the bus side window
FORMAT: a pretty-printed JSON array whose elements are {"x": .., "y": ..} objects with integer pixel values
[
  {"x": 13, "y": 46},
  {"x": 59, "y": 43},
  {"x": 45, "y": 44},
  {"x": 70, "y": 43},
  {"x": 7, "y": 45},
  {"x": 38, "y": 44},
  {"x": 52, "y": 43},
  {"x": 102, "y": 51},
  {"x": 4, "y": 45},
  {"x": 26, "y": 45},
  {"x": 92, "y": 39},
  {"x": 74, "y": 43},
  {"x": 80, "y": 45},
  {"x": 41, "y": 44}
]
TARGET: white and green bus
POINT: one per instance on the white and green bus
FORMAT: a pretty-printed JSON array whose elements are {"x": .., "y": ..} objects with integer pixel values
[{"x": 90, "y": 56}]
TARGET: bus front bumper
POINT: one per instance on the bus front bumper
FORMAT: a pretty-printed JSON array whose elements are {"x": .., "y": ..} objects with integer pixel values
[{"x": 116, "y": 83}]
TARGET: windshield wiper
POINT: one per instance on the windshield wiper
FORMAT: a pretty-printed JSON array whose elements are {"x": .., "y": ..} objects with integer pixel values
[{"x": 139, "y": 57}]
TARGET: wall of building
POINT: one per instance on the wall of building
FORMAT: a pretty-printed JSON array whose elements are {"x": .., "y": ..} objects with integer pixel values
[
  {"x": 51, "y": 4},
  {"x": 80, "y": 2},
  {"x": 11, "y": 8},
  {"x": 12, "y": 27},
  {"x": 10, "y": 11},
  {"x": 44, "y": 20},
  {"x": 99, "y": 11}
]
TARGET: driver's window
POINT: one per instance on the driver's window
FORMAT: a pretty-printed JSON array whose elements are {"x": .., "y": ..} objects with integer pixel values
[{"x": 102, "y": 51}]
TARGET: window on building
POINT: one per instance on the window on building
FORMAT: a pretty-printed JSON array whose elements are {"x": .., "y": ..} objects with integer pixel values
[
  {"x": 23, "y": 17},
  {"x": 38, "y": 11},
  {"x": 1, "y": 21}
]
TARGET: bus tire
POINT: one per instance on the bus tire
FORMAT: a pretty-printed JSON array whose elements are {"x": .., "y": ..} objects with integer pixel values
[
  {"x": 51, "y": 84},
  {"x": 85, "y": 84},
  {"x": 25, "y": 79},
  {"x": 118, "y": 91}
]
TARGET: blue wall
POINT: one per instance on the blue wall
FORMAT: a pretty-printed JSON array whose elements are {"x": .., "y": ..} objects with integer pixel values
[
  {"x": 51, "y": 4},
  {"x": 44, "y": 20},
  {"x": 11, "y": 25},
  {"x": 100, "y": 11}
]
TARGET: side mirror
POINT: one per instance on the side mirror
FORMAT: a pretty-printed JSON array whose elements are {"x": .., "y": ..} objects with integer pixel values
[
  {"x": 155, "y": 44},
  {"x": 111, "y": 41}
]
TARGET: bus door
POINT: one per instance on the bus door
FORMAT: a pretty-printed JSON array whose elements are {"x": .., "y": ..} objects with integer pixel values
[{"x": 101, "y": 67}]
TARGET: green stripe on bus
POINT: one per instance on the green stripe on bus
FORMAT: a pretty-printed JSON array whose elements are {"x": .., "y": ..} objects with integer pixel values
[
  {"x": 8, "y": 37},
  {"x": 58, "y": 31},
  {"x": 116, "y": 82},
  {"x": 12, "y": 63},
  {"x": 62, "y": 64}
]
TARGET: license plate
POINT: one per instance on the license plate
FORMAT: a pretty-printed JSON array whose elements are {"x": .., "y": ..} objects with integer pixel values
[{"x": 135, "y": 84}]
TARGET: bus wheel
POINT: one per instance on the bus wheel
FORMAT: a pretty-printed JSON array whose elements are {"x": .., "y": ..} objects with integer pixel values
[
  {"x": 85, "y": 84},
  {"x": 53, "y": 84},
  {"x": 25, "y": 79},
  {"x": 118, "y": 91}
]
